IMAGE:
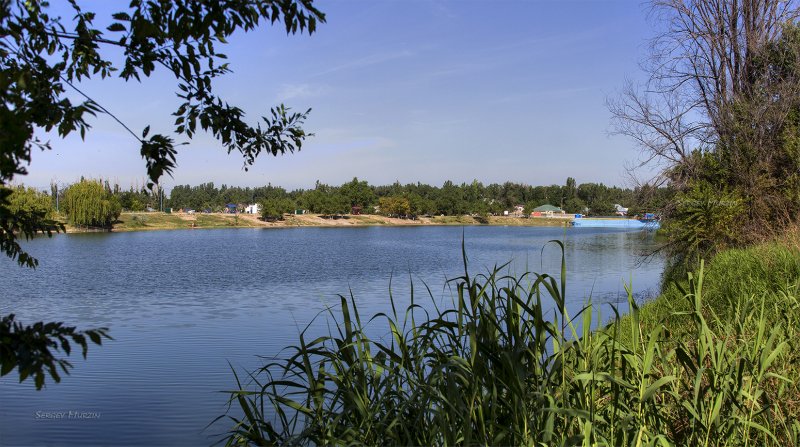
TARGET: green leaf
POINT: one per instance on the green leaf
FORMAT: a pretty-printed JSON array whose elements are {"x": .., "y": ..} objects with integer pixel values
[
  {"x": 95, "y": 337},
  {"x": 6, "y": 367},
  {"x": 657, "y": 385}
]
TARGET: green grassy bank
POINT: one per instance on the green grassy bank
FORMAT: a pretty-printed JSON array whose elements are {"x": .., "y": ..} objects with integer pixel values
[
  {"x": 712, "y": 362},
  {"x": 163, "y": 221},
  {"x": 768, "y": 273}
]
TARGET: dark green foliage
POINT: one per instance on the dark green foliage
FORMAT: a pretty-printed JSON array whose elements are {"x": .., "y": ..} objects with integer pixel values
[
  {"x": 140, "y": 198},
  {"x": 27, "y": 213},
  {"x": 704, "y": 220},
  {"x": 497, "y": 368},
  {"x": 358, "y": 193},
  {"x": 204, "y": 196},
  {"x": 275, "y": 208},
  {"x": 33, "y": 349},
  {"x": 421, "y": 206},
  {"x": 135, "y": 201},
  {"x": 450, "y": 200},
  {"x": 325, "y": 200},
  {"x": 599, "y": 199}
]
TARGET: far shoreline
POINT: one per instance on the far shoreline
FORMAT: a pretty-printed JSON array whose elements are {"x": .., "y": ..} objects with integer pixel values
[{"x": 155, "y": 221}]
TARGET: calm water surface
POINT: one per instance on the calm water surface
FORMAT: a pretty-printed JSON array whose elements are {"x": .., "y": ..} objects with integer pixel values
[{"x": 182, "y": 304}]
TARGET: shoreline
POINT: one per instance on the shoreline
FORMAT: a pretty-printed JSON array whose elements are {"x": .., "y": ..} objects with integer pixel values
[{"x": 154, "y": 221}]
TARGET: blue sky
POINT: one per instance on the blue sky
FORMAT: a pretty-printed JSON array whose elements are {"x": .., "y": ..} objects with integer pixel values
[{"x": 401, "y": 91}]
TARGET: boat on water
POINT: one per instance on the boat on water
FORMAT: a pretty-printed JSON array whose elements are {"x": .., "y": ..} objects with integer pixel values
[{"x": 646, "y": 223}]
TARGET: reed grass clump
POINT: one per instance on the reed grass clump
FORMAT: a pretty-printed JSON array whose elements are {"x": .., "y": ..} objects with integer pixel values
[{"x": 507, "y": 364}]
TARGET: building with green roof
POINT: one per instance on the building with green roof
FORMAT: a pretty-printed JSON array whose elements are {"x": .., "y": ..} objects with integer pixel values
[{"x": 548, "y": 209}]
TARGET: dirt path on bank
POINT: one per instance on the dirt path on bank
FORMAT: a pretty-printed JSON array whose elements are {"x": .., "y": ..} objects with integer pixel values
[{"x": 174, "y": 221}]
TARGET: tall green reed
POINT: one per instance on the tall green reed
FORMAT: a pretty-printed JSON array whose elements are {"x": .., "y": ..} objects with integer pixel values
[{"x": 506, "y": 364}]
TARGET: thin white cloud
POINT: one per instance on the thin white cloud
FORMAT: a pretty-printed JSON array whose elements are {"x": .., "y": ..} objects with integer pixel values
[
  {"x": 367, "y": 61},
  {"x": 357, "y": 144},
  {"x": 294, "y": 91},
  {"x": 494, "y": 57},
  {"x": 546, "y": 93},
  {"x": 442, "y": 9}
]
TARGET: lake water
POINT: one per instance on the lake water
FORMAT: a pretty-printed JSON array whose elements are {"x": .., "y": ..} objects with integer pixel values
[{"x": 182, "y": 304}]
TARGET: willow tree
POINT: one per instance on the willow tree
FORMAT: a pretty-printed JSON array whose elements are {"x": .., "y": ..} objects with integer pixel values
[{"x": 89, "y": 204}]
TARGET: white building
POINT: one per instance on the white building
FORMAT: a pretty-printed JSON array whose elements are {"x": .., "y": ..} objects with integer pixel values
[{"x": 253, "y": 209}]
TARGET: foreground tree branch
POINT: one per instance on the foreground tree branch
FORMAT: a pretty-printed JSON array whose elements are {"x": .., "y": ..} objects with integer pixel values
[{"x": 43, "y": 56}]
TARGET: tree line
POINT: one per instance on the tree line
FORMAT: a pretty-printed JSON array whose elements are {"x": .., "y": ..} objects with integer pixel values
[
  {"x": 422, "y": 199},
  {"x": 97, "y": 203}
]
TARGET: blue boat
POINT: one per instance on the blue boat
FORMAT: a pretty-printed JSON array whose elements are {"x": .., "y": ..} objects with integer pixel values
[{"x": 610, "y": 222}]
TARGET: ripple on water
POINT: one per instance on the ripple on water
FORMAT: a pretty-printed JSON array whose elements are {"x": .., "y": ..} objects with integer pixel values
[{"x": 182, "y": 304}]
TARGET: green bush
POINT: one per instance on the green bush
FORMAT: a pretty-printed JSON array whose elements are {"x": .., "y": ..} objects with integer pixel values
[
  {"x": 31, "y": 202},
  {"x": 705, "y": 220},
  {"x": 272, "y": 209}
]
